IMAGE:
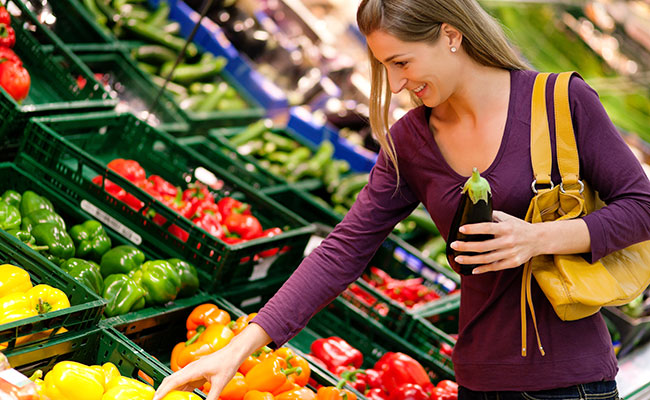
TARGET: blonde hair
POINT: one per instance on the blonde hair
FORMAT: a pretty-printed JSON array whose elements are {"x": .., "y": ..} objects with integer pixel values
[{"x": 420, "y": 21}]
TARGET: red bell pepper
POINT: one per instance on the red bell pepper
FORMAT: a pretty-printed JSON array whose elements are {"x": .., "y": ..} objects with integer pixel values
[
  {"x": 376, "y": 394},
  {"x": 398, "y": 369},
  {"x": 210, "y": 223},
  {"x": 442, "y": 394},
  {"x": 353, "y": 376},
  {"x": 14, "y": 78},
  {"x": 334, "y": 352},
  {"x": 446, "y": 349},
  {"x": 148, "y": 187},
  {"x": 448, "y": 385},
  {"x": 208, "y": 208},
  {"x": 179, "y": 205},
  {"x": 110, "y": 187},
  {"x": 162, "y": 186},
  {"x": 372, "y": 377},
  {"x": 130, "y": 169},
  {"x": 245, "y": 225},
  {"x": 178, "y": 232},
  {"x": 269, "y": 233},
  {"x": 228, "y": 205},
  {"x": 408, "y": 391},
  {"x": 5, "y": 17},
  {"x": 197, "y": 193},
  {"x": 7, "y": 35},
  {"x": 8, "y": 54}
]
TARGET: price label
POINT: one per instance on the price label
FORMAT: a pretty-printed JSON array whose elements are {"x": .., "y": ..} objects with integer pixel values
[{"x": 114, "y": 224}]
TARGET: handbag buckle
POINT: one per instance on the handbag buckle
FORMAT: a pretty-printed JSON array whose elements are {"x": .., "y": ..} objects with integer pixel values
[
  {"x": 534, "y": 183},
  {"x": 582, "y": 187}
]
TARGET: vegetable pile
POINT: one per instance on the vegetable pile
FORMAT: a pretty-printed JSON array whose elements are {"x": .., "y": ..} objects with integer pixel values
[{"x": 14, "y": 78}]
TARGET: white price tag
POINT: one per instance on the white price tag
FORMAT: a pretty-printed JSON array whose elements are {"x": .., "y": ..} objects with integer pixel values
[
  {"x": 251, "y": 301},
  {"x": 117, "y": 226},
  {"x": 261, "y": 270},
  {"x": 314, "y": 241}
]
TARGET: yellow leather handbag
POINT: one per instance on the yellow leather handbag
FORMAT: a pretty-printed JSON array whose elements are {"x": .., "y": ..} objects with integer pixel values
[{"x": 575, "y": 288}]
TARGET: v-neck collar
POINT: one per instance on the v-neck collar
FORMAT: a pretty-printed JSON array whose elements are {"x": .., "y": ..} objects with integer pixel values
[{"x": 504, "y": 138}]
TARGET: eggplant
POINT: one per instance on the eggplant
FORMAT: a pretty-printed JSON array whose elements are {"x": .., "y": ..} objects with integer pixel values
[{"x": 475, "y": 206}]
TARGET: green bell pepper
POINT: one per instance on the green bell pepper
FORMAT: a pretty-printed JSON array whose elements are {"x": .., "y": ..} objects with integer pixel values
[
  {"x": 188, "y": 274},
  {"x": 26, "y": 238},
  {"x": 11, "y": 197},
  {"x": 159, "y": 280},
  {"x": 121, "y": 260},
  {"x": 123, "y": 295},
  {"x": 41, "y": 216},
  {"x": 9, "y": 217},
  {"x": 86, "y": 272},
  {"x": 61, "y": 246},
  {"x": 31, "y": 202},
  {"x": 91, "y": 240}
]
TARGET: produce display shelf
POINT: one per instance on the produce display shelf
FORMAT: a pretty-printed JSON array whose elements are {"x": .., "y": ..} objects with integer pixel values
[{"x": 54, "y": 79}]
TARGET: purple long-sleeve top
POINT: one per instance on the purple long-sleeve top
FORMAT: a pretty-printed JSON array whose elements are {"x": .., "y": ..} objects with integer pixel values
[{"x": 487, "y": 356}]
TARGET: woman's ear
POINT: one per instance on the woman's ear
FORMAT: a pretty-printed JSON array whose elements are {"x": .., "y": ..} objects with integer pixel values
[{"x": 451, "y": 36}]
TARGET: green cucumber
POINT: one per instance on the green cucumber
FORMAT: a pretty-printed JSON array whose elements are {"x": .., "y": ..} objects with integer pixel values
[
  {"x": 296, "y": 157},
  {"x": 321, "y": 157},
  {"x": 212, "y": 99},
  {"x": 157, "y": 35},
  {"x": 281, "y": 142},
  {"x": 160, "y": 16},
  {"x": 348, "y": 187},
  {"x": 188, "y": 73},
  {"x": 153, "y": 54},
  {"x": 252, "y": 131}
]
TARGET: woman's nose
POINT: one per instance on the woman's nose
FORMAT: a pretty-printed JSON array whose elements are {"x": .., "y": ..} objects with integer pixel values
[{"x": 396, "y": 82}]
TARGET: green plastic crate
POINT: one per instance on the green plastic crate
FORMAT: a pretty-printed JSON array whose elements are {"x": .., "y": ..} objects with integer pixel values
[
  {"x": 85, "y": 307},
  {"x": 135, "y": 90},
  {"x": 158, "y": 334},
  {"x": 401, "y": 261},
  {"x": 90, "y": 347},
  {"x": 442, "y": 314},
  {"x": 69, "y": 151},
  {"x": 71, "y": 22},
  {"x": 53, "y": 76},
  {"x": 254, "y": 296},
  {"x": 341, "y": 318}
]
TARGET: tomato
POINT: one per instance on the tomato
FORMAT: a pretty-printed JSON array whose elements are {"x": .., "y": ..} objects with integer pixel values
[{"x": 15, "y": 79}]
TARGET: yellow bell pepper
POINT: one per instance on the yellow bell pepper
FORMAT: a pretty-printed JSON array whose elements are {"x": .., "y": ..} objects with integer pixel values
[
  {"x": 45, "y": 298},
  {"x": 110, "y": 372},
  {"x": 12, "y": 302},
  {"x": 17, "y": 308},
  {"x": 124, "y": 382},
  {"x": 178, "y": 395},
  {"x": 13, "y": 279},
  {"x": 71, "y": 380},
  {"x": 37, "y": 378},
  {"x": 125, "y": 393}
]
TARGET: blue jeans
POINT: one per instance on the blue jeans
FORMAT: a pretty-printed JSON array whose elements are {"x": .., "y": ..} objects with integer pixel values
[{"x": 604, "y": 390}]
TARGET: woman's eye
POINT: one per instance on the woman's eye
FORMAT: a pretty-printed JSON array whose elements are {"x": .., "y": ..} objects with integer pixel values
[{"x": 400, "y": 63}]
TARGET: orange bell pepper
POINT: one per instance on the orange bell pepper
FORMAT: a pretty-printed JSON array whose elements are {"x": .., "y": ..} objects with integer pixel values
[
  {"x": 203, "y": 316},
  {"x": 241, "y": 323},
  {"x": 335, "y": 393},
  {"x": 173, "y": 362},
  {"x": 294, "y": 360},
  {"x": 269, "y": 375},
  {"x": 255, "y": 359},
  {"x": 257, "y": 395},
  {"x": 300, "y": 393},
  {"x": 212, "y": 339},
  {"x": 235, "y": 389},
  {"x": 289, "y": 385}
]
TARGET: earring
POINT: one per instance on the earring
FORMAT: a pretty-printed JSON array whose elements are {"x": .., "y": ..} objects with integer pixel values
[{"x": 453, "y": 49}]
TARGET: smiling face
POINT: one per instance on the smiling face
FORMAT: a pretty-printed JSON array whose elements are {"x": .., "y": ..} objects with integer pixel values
[{"x": 427, "y": 70}]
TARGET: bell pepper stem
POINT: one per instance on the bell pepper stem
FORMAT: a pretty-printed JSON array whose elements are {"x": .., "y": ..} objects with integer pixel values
[
  {"x": 296, "y": 370},
  {"x": 194, "y": 338},
  {"x": 288, "y": 360},
  {"x": 43, "y": 307},
  {"x": 38, "y": 374},
  {"x": 351, "y": 375}
]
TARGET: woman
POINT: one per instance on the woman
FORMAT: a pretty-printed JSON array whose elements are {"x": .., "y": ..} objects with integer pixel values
[{"x": 476, "y": 98}]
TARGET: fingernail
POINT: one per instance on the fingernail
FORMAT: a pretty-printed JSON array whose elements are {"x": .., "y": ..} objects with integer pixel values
[
  {"x": 476, "y": 271},
  {"x": 458, "y": 259},
  {"x": 461, "y": 229},
  {"x": 453, "y": 245}
]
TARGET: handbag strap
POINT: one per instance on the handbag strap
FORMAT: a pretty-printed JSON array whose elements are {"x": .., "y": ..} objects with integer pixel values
[{"x": 541, "y": 159}]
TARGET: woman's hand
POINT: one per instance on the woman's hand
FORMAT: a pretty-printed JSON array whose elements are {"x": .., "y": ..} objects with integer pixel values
[
  {"x": 217, "y": 368},
  {"x": 515, "y": 242}
]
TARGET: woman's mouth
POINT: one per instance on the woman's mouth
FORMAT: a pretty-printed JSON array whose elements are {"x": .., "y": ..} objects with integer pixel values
[{"x": 418, "y": 90}]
